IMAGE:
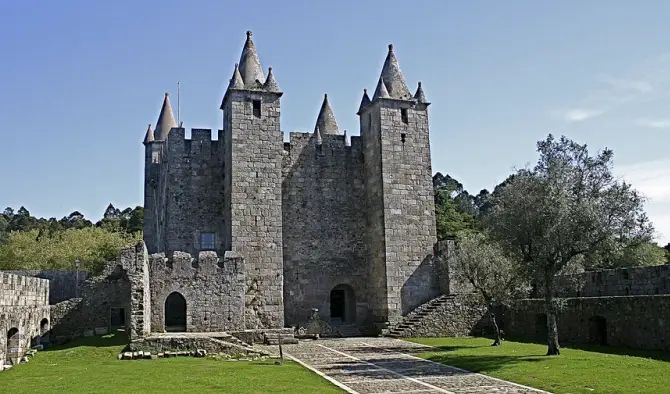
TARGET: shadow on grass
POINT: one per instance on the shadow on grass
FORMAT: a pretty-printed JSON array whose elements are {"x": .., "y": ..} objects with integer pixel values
[
  {"x": 117, "y": 338},
  {"x": 482, "y": 363},
  {"x": 659, "y": 355}
]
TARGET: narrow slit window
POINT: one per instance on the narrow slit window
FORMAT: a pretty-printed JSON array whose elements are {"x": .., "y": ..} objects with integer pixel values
[
  {"x": 257, "y": 108},
  {"x": 404, "y": 116},
  {"x": 402, "y": 137}
]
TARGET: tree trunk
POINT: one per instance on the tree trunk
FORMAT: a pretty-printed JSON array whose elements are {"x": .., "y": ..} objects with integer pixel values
[
  {"x": 496, "y": 330},
  {"x": 553, "y": 348}
]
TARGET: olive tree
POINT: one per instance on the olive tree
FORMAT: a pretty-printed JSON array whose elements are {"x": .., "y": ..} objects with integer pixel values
[
  {"x": 568, "y": 206},
  {"x": 494, "y": 276}
]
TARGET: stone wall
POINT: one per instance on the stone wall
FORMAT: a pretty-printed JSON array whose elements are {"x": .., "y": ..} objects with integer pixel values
[
  {"x": 184, "y": 192},
  {"x": 617, "y": 282},
  {"x": 213, "y": 290},
  {"x": 323, "y": 218},
  {"x": 63, "y": 285},
  {"x": 24, "y": 315},
  {"x": 117, "y": 297},
  {"x": 253, "y": 145},
  {"x": 399, "y": 175},
  {"x": 631, "y": 321},
  {"x": 460, "y": 315}
]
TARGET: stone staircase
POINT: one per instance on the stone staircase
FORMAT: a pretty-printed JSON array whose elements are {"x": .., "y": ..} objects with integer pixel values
[
  {"x": 346, "y": 330},
  {"x": 413, "y": 318}
]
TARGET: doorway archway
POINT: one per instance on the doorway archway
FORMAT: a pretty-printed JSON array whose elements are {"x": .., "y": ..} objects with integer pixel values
[
  {"x": 343, "y": 303},
  {"x": 175, "y": 313},
  {"x": 13, "y": 345}
]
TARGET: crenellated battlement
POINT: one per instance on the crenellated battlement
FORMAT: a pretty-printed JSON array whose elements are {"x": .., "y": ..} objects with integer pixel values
[
  {"x": 207, "y": 263},
  {"x": 19, "y": 290},
  {"x": 200, "y": 144}
]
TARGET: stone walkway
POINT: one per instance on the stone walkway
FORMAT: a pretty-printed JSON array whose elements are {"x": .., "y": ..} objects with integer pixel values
[{"x": 386, "y": 365}]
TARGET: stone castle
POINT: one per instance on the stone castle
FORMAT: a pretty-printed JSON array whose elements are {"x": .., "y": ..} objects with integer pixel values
[{"x": 345, "y": 225}]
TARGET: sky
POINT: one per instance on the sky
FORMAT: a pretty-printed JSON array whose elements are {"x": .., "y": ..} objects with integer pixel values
[{"x": 80, "y": 81}]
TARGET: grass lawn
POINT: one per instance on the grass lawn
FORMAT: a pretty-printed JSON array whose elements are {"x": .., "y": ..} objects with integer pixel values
[
  {"x": 90, "y": 365},
  {"x": 589, "y": 369}
]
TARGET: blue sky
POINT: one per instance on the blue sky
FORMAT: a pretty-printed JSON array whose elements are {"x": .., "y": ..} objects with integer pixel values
[{"x": 80, "y": 80}]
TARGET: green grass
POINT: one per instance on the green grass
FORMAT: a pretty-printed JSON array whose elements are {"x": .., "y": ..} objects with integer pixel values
[
  {"x": 589, "y": 369},
  {"x": 90, "y": 365}
]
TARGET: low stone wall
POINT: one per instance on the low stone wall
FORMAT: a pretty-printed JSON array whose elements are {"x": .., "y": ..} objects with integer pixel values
[
  {"x": 641, "y": 322},
  {"x": 617, "y": 282},
  {"x": 63, "y": 285},
  {"x": 24, "y": 315}
]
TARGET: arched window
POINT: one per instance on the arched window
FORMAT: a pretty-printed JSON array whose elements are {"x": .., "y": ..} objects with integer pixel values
[
  {"x": 343, "y": 303},
  {"x": 175, "y": 313},
  {"x": 44, "y": 326}
]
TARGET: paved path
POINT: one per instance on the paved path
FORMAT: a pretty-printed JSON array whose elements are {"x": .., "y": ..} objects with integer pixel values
[{"x": 386, "y": 365}]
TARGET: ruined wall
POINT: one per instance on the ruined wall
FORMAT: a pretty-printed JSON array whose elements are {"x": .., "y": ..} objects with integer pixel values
[
  {"x": 122, "y": 288},
  {"x": 63, "y": 285},
  {"x": 213, "y": 289},
  {"x": 324, "y": 224},
  {"x": 631, "y": 321},
  {"x": 24, "y": 315},
  {"x": 252, "y": 191},
  {"x": 617, "y": 282}
]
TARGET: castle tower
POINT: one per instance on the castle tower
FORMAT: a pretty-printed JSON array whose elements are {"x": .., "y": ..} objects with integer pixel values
[
  {"x": 399, "y": 193},
  {"x": 253, "y": 146},
  {"x": 154, "y": 193}
]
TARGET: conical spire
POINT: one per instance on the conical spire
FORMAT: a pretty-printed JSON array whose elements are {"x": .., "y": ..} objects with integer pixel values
[
  {"x": 393, "y": 79},
  {"x": 236, "y": 81},
  {"x": 420, "y": 96},
  {"x": 270, "y": 84},
  {"x": 326, "y": 122},
  {"x": 250, "y": 65},
  {"x": 317, "y": 134},
  {"x": 346, "y": 139},
  {"x": 365, "y": 101},
  {"x": 165, "y": 120},
  {"x": 149, "y": 136},
  {"x": 381, "y": 91}
]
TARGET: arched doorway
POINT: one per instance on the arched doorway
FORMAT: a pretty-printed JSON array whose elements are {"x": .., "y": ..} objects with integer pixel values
[
  {"x": 175, "y": 313},
  {"x": 44, "y": 326},
  {"x": 13, "y": 345},
  {"x": 343, "y": 303},
  {"x": 598, "y": 330}
]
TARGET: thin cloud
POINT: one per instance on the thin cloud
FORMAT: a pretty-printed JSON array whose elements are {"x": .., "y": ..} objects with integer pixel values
[
  {"x": 581, "y": 114},
  {"x": 654, "y": 123},
  {"x": 650, "y": 178}
]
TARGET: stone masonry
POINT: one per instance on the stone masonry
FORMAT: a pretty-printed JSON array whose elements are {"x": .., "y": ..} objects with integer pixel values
[
  {"x": 24, "y": 315},
  {"x": 341, "y": 224}
]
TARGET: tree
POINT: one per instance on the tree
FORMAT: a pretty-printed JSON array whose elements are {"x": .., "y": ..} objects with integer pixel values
[
  {"x": 567, "y": 207},
  {"x": 495, "y": 277},
  {"x": 454, "y": 210}
]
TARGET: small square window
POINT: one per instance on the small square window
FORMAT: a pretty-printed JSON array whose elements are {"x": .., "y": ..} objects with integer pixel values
[
  {"x": 404, "y": 116},
  {"x": 257, "y": 108},
  {"x": 207, "y": 241}
]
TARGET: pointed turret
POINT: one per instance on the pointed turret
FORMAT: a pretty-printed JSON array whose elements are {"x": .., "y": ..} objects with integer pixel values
[
  {"x": 165, "y": 120},
  {"x": 250, "y": 65},
  {"x": 381, "y": 91},
  {"x": 420, "y": 96},
  {"x": 271, "y": 84},
  {"x": 365, "y": 101},
  {"x": 149, "y": 136},
  {"x": 236, "y": 81},
  {"x": 317, "y": 135},
  {"x": 393, "y": 79},
  {"x": 326, "y": 122}
]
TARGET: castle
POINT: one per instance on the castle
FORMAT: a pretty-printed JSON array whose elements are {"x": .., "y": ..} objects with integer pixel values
[{"x": 342, "y": 225}]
